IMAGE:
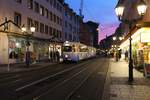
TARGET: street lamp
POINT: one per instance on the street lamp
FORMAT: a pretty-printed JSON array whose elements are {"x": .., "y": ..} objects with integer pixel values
[
  {"x": 32, "y": 29},
  {"x": 141, "y": 7}
]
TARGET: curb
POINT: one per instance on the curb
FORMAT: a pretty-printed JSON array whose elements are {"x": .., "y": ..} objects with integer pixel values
[{"x": 106, "y": 89}]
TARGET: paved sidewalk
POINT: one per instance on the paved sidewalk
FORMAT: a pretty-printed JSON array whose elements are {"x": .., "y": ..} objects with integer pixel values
[
  {"x": 22, "y": 67},
  {"x": 120, "y": 89}
]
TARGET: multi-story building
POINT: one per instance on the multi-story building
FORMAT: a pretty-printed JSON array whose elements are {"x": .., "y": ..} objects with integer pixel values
[
  {"x": 93, "y": 29},
  {"x": 139, "y": 32},
  {"x": 45, "y": 15},
  {"x": 85, "y": 35},
  {"x": 71, "y": 24}
]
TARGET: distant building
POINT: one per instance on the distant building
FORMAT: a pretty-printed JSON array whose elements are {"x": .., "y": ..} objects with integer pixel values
[
  {"x": 93, "y": 29},
  {"x": 89, "y": 33}
]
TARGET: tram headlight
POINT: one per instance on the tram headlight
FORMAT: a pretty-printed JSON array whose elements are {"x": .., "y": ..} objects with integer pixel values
[{"x": 66, "y": 56}]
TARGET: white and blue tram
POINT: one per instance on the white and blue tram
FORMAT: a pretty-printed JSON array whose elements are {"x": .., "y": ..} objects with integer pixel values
[{"x": 75, "y": 51}]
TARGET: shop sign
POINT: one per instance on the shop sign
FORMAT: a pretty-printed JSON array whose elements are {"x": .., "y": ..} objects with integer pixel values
[{"x": 147, "y": 70}]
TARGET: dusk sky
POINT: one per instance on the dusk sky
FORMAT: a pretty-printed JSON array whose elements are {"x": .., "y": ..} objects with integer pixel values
[{"x": 100, "y": 11}]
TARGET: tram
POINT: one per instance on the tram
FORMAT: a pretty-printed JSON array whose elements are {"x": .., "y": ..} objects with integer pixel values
[{"x": 76, "y": 51}]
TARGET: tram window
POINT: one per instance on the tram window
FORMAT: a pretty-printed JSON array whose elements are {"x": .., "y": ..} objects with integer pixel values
[{"x": 67, "y": 49}]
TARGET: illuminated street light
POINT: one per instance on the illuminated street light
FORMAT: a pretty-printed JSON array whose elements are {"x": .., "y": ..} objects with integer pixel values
[
  {"x": 32, "y": 29},
  {"x": 23, "y": 28},
  {"x": 114, "y": 38},
  {"x": 141, "y": 7}
]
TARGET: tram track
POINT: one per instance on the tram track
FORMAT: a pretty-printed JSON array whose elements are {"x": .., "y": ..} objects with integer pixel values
[
  {"x": 14, "y": 83},
  {"x": 84, "y": 72}
]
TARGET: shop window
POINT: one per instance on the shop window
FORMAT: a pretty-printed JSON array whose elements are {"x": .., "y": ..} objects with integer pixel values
[
  {"x": 41, "y": 28},
  {"x": 30, "y": 4},
  {"x": 17, "y": 19},
  {"x": 36, "y": 7},
  {"x": 41, "y": 10}
]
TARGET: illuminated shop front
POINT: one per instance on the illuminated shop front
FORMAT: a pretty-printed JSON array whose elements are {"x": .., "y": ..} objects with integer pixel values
[{"x": 140, "y": 47}]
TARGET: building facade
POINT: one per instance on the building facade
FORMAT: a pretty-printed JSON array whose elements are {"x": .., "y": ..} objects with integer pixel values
[
  {"x": 94, "y": 29},
  {"x": 139, "y": 32},
  {"x": 45, "y": 15},
  {"x": 85, "y": 36},
  {"x": 71, "y": 24}
]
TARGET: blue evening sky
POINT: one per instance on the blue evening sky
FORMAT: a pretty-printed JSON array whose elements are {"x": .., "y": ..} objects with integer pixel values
[{"x": 101, "y": 11}]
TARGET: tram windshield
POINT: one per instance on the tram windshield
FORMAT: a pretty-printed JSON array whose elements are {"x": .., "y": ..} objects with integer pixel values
[{"x": 67, "y": 49}]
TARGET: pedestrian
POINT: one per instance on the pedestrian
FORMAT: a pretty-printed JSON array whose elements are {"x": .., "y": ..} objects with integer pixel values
[{"x": 57, "y": 56}]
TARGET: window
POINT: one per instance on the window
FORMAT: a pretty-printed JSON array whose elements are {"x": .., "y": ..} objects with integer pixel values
[
  {"x": 67, "y": 49},
  {"x": 17, "y": 18},
  {"x": 46, "y": 29},
  {"x": 51, "y": 16},
  {"x": 30, "y": 4},
  {"x": 66, "y": 25},
  {"x": 36, "y": 26},
  {"x": 19, "y": 1},
  {"x": 54, "y": 18},
  {"x": 57, "y": 6},
  {"x": 41, "y": 28},
  {"x": 60, "y": 22},
  {"x": 57, "y": 20},
  {"x": 36, "y": 7},
  {"x": 51, "y": 2},
  {"x": 29, "y": 23},
  {"x": 57, "y": 33},
  {"x": 42, "y": 10},
  {"x": 50, "y": 31},
  {"x": 60, "y": 9},
  {"x": 54, "y": 4},
  {"x": 54, "y": 32},
  {"x": 46, "y": 13}
]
